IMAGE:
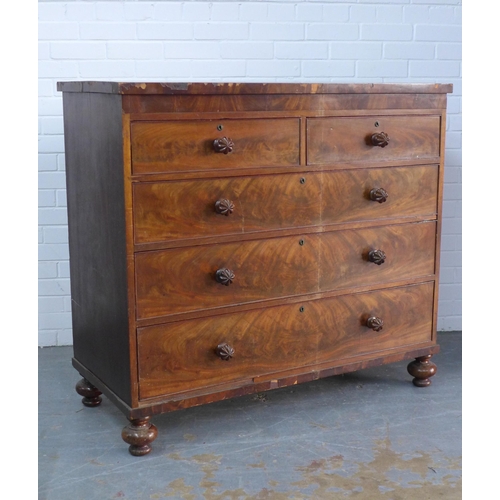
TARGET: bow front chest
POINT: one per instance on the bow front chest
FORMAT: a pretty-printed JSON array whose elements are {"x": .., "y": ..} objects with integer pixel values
[{"x": 227, "y": 239}]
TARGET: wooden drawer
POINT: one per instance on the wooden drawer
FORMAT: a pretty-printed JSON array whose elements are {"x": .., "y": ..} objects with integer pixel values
[
  {"x": 182, "y": 356},
  {"x": 189, "y": 145},
  {"x": 187, "y": 209},
  {"x": 349, "y": 139},
  {"x": 181, "y": 280}
]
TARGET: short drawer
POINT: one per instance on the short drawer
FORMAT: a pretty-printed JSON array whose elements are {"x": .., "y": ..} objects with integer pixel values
[
  {"x": 237, "y": 205},
  {"x": 333, "y": 140},
  {"x": 179, "y": 146},
  {"x": 193, "y": 354},
  {"x": 211, "y": 276}
]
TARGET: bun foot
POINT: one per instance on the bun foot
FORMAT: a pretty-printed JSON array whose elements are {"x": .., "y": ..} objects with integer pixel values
[
  {"x": 139, "y": 434},
  {"x": 422, "y": 369},
  {"x": 91, "y": 394}
]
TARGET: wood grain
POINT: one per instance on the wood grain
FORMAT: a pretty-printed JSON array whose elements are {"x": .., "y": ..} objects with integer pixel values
[
  {"x": 182, "y": 280},
  {"x": 188, "y": 145},
  {"x": 184, "y": 210},
  {"x": 182, "y": 356},
  {"x": 310, "y": 104},
  {"x": 332, "y": 140},
  {"x": 177, "y": 210}
]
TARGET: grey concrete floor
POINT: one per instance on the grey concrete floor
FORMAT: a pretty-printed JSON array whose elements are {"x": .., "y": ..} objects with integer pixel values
[{"x": 365, "y": 435}]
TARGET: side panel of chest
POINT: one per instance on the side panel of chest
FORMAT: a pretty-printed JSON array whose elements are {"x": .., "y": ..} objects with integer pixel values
[{"x": 97, "y": 237}]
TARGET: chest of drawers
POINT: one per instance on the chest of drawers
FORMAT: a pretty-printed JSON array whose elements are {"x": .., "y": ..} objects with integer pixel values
[{"x": 227, "y": 239}]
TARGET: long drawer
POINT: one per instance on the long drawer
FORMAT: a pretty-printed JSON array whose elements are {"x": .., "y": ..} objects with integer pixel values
[
  {"x": 332, "y": 140},
  {"x": 204, "y": 352},
  {"x": 209, "y": 276},
  {"x": 237, "y": 205},
  {"x": 180, "y": 146}
]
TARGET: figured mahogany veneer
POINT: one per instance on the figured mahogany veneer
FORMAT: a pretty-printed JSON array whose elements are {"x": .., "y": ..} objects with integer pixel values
[
  {"x": 189, "y": 145},
  {"x": 180, "y": 356},
  {"x": 263, "y": 269},
  {"x": 331, "y": 140},
  {"x": 227, "y": 239},
  {"x": 188, "y": 209}
]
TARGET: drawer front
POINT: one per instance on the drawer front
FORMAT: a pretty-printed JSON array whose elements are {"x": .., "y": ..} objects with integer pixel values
[
  {"x": 184, "y": 355},
  {"x": 334, "y": 140},
  {"x": 189, "y": 145},
  {"x": 378, "y": 193},
  {"x": 190, "y": 209},
  {"x": 182, "y": 280}
]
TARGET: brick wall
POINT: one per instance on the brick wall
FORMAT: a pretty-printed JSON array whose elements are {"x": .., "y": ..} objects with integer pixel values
[{"x": 289, "y": 41}]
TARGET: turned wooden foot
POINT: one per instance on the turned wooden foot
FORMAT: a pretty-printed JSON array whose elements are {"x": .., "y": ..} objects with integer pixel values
[
  {"x": 139, "y": 434},
  {"x": 91, "y": 395},
  {"x": 422, "y": 369}
]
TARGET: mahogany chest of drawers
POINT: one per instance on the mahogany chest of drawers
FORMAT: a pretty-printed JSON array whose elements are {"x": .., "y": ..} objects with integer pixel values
[{"x": 233, "y": 238}]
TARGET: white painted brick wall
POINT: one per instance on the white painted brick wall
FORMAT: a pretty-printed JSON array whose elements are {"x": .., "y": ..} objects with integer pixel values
[{"x": 291, "y": 41}]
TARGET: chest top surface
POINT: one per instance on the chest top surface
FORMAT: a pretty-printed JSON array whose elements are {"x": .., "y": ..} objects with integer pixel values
[{"x": 253, "y": 88}]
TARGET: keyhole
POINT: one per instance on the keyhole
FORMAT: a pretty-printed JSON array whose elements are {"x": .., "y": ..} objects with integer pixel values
[
  {"x": 377, "y": 124},
  {"x": 302, "y": 180},
  {"x": 220, "y": 127},
  {"x": 301, "y": 309}
]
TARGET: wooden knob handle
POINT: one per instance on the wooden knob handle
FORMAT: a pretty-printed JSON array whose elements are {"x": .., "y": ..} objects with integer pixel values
[
  {"x": 375, "y": 323},
  {"x": 379, "y": 194},
  {"x": 224, "y": 276},
  {"x": 377, "y": 257},
  {"x": 380, "y": 139},
  {"x": 224, "y": 207},
  {"x": 223, "y": 145},
  {"x": 224, "y": 351}
]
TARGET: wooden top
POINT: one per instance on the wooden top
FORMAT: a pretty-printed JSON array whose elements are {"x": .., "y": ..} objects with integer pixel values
[{"x": 173, "y": 88}]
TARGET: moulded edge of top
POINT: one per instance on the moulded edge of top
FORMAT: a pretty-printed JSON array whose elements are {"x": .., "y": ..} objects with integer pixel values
[{"x": 214, "y": 88}]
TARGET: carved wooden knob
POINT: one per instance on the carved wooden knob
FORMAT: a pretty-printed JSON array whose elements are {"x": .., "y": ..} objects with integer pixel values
[
  {"x": 375, "y": 323},
  {"x": 224, "y": 276},
  {"x": 380, "y": 139},
  {"x": 379, "y": 194},
  {"x": 224, "y": 207},
  {"x": 223, "y": 145},
  {"x": 377, "y": 257},
  {"x": 224, "y": 351}
]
